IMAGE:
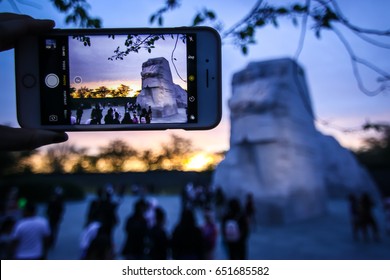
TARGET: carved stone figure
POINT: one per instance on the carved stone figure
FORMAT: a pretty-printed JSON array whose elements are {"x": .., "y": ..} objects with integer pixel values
[
  {"x": 158, "y": 89},
  {"x": 276, "y": 153}
]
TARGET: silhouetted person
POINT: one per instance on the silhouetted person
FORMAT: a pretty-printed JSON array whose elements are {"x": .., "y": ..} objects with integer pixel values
[
  {"x": 103, "y": 209},
  {"x": 138, "y": 108},
  {"x": 144, "y": 114},
  {"x": 109, "y": 218},
  {"x": 367, "y": 217},
  {"x": 135, "y": 119},
  {"x": 97, "y": 114},
  {"x": 116, "y": 118},
  {"x": 93, "y": 208},
  {"x": 136, "y": 230},
  {"x": 235, "y": 231},
  {"x": 250, "y": 210},
  {"x": 159, "y": 241},
  {"x": 6, "y": 228},
  {"x": 149, "y": 115},
  {"x": 93, "y": 121},
  {"x": 11, "y": 205},
  {"x": 109, "y": 118},
  {"x": 210, "y": 234},
  {"x": 79, "y": 114},
  {"x": 187, "y": 241},
  {"x": 55, "y": 211},
  {"x": 219, "y": 200},
  {"x": 126, "y": 119},
  {"x": 97, "y": 243},
  {"x": 354, "y": 210},
  {"x": 30, "y": 236}
]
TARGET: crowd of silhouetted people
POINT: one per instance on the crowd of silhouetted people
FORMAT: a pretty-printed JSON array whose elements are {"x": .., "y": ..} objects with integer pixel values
[
  {"x": 133, "y": 114},
  {"x": 207, "y": 218},
  {"x": 27, "y": 235},
  {"x": 146, "y": 235}
]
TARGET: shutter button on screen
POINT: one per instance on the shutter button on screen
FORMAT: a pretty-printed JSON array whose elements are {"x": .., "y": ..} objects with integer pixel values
[
  {"x": 52, "y": 80},
  {"x": 29, "y": 81}
]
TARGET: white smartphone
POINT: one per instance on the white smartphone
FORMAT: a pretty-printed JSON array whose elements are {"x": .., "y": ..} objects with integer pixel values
[{"x": 119, "y": 79}]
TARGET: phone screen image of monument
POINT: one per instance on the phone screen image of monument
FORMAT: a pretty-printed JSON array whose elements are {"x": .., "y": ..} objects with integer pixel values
[{"x": 128, "y": 79}]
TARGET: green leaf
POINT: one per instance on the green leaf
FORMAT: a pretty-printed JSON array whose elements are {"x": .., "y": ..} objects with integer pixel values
[
  {"x": 198, "y": 19},
  {"x": 282, "y": 11},
  {"x": 260, "y": 22},
  {"x": 330, "y": 14},
  {"x": 244, "y": 50},
  {"x": 210, "y": 15},
  {"x": 152, "y": 18},
  {"x": 250, "y": 31},
  {"x": 299, "y": 8}
]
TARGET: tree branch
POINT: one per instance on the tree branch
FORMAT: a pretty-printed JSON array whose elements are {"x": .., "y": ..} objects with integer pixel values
[
  {"x": 303, "y": 31},
  {"x": 344, "y": 20},
  {"x": 355, "y": 60},
  {"x": 244, "y": 20}
]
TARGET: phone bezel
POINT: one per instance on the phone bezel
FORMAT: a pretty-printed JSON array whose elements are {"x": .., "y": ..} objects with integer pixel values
[{"x": 209, "y": 90}]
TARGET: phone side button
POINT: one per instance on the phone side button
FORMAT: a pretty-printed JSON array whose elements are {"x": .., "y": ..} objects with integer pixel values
[{"x": 29, "y": 81}]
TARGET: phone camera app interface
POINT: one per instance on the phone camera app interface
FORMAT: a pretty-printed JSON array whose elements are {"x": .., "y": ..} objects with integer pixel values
[{"x": 119, "y": 79}]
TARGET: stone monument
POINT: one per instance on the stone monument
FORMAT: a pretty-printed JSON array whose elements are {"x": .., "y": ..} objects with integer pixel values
[
  {"x": 276, "y": 152},
  {"x": 158, "y": 89}
]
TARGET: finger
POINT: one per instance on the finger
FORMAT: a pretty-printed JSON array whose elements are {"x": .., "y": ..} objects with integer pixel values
[
  {"x": 10, "y": 16},
  {"x": 19, "y": 139},
  {"x": 13, "y": 27}
]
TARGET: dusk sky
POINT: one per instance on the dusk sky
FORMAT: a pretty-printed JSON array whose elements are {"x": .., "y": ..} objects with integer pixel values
[
  {"x": 335, "y": 95},
  {"x": 91, "y": 63}
]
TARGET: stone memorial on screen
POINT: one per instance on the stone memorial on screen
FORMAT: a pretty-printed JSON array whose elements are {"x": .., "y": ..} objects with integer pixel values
[
  {"x": 158, "y": 89},
  {"x": 277, "y": 153}
]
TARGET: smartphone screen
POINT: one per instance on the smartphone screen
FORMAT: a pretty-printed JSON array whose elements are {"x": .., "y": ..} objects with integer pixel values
[{"x": 118, "y": 79}]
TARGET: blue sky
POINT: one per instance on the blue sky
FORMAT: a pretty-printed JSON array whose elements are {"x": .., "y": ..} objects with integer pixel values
[{"x": 335, "y": 95}]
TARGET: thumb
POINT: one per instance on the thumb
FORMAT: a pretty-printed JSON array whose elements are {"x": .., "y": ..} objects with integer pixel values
[{"x": 18, "y": 139}]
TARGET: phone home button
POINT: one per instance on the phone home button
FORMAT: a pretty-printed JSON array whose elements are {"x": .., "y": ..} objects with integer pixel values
[{"x": 29, "y": 81}]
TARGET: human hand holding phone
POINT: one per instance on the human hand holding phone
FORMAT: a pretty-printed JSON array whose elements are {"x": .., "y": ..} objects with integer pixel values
[{"x": 12, "y": 28}]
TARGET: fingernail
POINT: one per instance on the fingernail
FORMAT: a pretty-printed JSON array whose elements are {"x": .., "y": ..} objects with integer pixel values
[{"x": 60, "y": 137}]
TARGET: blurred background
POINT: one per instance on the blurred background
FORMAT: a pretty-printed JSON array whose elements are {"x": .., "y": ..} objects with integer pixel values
[{"x": 351, "y": 104}]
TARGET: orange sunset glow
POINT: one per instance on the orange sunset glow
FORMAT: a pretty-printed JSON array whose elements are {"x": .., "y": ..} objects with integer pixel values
[
  {"x": 134, "y": 86},
  {"x": 68, "y": 159}
]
